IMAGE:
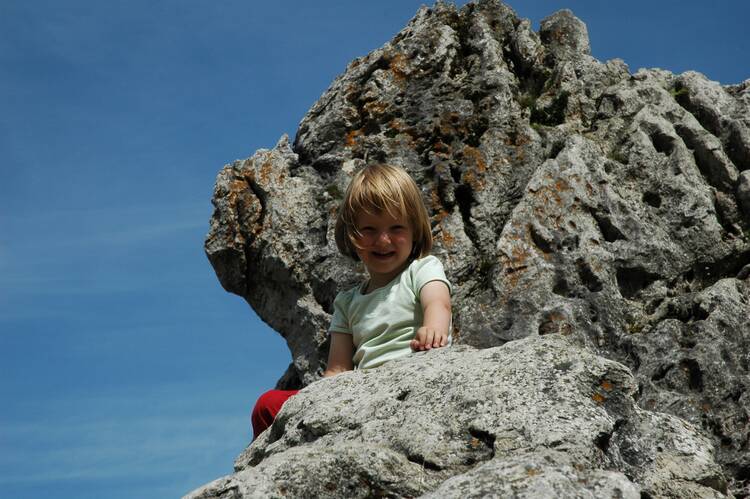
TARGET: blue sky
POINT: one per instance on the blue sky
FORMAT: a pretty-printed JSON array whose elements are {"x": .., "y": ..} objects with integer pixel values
[{"x": 125, "y": 369}]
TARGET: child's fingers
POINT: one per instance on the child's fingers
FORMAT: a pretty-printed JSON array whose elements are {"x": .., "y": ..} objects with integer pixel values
[
  {"x": 419, "y": 339},
  {"x": 418, "y": 342},
  {"x": 430, "y": 338},
  {"x": 438, "y": 342},
  {"x": 427, "y": 339}
]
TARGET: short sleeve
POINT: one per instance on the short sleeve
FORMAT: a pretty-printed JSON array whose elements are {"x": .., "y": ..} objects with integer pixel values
[
  {"x": 340, "y": 320},
  {"x": 426, "y": 270}
]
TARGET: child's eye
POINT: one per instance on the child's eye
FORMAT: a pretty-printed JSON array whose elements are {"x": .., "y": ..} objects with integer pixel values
[{"x": 398, "y": 227}]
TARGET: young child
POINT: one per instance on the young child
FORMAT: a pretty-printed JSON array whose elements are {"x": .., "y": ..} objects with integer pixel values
[{"x": 405, "y": 305}]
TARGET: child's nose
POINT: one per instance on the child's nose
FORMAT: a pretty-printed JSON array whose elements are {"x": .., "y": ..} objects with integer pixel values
[{"x": 384, "y": 237}]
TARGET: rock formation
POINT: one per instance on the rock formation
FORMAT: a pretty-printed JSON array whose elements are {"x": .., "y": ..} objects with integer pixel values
[
  {"x": 537, "y": 417},
  {"x": 581, "y": 211}
]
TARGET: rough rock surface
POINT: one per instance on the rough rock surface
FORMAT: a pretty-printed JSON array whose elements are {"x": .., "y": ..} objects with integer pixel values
[
  {"x": 537, "y": 417},
  {"x": 567, "y": 195}
]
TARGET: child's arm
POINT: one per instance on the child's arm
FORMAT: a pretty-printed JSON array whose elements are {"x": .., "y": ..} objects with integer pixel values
[
  {"x": 340, "y": 354},
  {"x": 436, "y": 305}
]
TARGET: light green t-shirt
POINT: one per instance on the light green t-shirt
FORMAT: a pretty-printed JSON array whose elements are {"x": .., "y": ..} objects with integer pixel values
[{"x": 384, "y": 321}]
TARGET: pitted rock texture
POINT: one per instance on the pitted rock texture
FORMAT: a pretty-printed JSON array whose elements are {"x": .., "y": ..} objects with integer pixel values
[
  {"x": 567, "y": 196},
  {"x": 537, "y": 417}
]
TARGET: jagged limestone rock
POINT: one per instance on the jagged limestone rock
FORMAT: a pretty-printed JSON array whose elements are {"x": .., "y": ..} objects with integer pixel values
[
  {"x": 567, "y": 196},
  {"x": 462, "y": 422}
]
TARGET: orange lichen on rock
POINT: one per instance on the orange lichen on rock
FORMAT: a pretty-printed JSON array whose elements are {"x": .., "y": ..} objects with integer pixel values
[
  {"x": 477, "y": 167},
  {"x": 477, "y": 156},
  {"x": 516, "y": 264},
  {"x": 607, "y": 385},
  {"x": 562, "y": 185},
  {"x": 598, "y": 398},
  {"x": 439, "y": 216},
  {"x": 469, "y": 177},
  {"x": 520, "y": 255},
  {"x": 351, "y": 137},
  {"x": 265, "y": 171},
  {"x": 448, "y": 239},
  {"x": 435, "y": 201},
  {"x": 375, "y": 108},
  {"x": 549, "y": 196},
  {"x": 246, "y": 207},
  {"x": 550, "y": 203},
  {"x": 398, "y": 66},
  {"x": 237, "y": 185}
]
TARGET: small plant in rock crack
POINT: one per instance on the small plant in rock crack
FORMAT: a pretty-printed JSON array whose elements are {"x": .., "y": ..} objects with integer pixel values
[{"x": 678, "y": 92}]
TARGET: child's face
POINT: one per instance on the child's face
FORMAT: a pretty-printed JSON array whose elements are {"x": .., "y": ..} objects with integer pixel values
[{"x": 385, "y": 245}]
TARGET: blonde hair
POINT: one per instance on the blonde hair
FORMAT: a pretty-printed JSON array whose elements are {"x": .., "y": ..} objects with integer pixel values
[{"x": 381, "y": 188}]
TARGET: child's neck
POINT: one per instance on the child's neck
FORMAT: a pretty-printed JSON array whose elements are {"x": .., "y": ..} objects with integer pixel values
[{"x": 378, "y": 281}]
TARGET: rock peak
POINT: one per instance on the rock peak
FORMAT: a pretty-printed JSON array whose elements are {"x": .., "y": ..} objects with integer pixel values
[{"x": 565, "y": 35}]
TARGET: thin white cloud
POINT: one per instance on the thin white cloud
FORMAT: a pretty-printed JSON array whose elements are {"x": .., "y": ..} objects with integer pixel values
[
  {"x": 133, "y": 235},
  {"x": 95, "y": 252},
  {"x": 99, "y": 227}
]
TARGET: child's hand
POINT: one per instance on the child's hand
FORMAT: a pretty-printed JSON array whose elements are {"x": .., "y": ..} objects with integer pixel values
[{"x": 428, "y": 338}]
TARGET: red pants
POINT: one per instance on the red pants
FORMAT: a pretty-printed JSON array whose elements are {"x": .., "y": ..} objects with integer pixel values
[{"x": 265, "y": 410}]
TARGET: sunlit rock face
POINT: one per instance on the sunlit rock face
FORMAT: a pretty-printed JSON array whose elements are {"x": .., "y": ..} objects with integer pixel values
[
  {"x": 536, "y": 417},
  {"x": 568, "y": 198}
]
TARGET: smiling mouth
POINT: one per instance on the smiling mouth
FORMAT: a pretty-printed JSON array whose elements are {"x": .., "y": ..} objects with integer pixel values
[{"x": 383, "y": 255}]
